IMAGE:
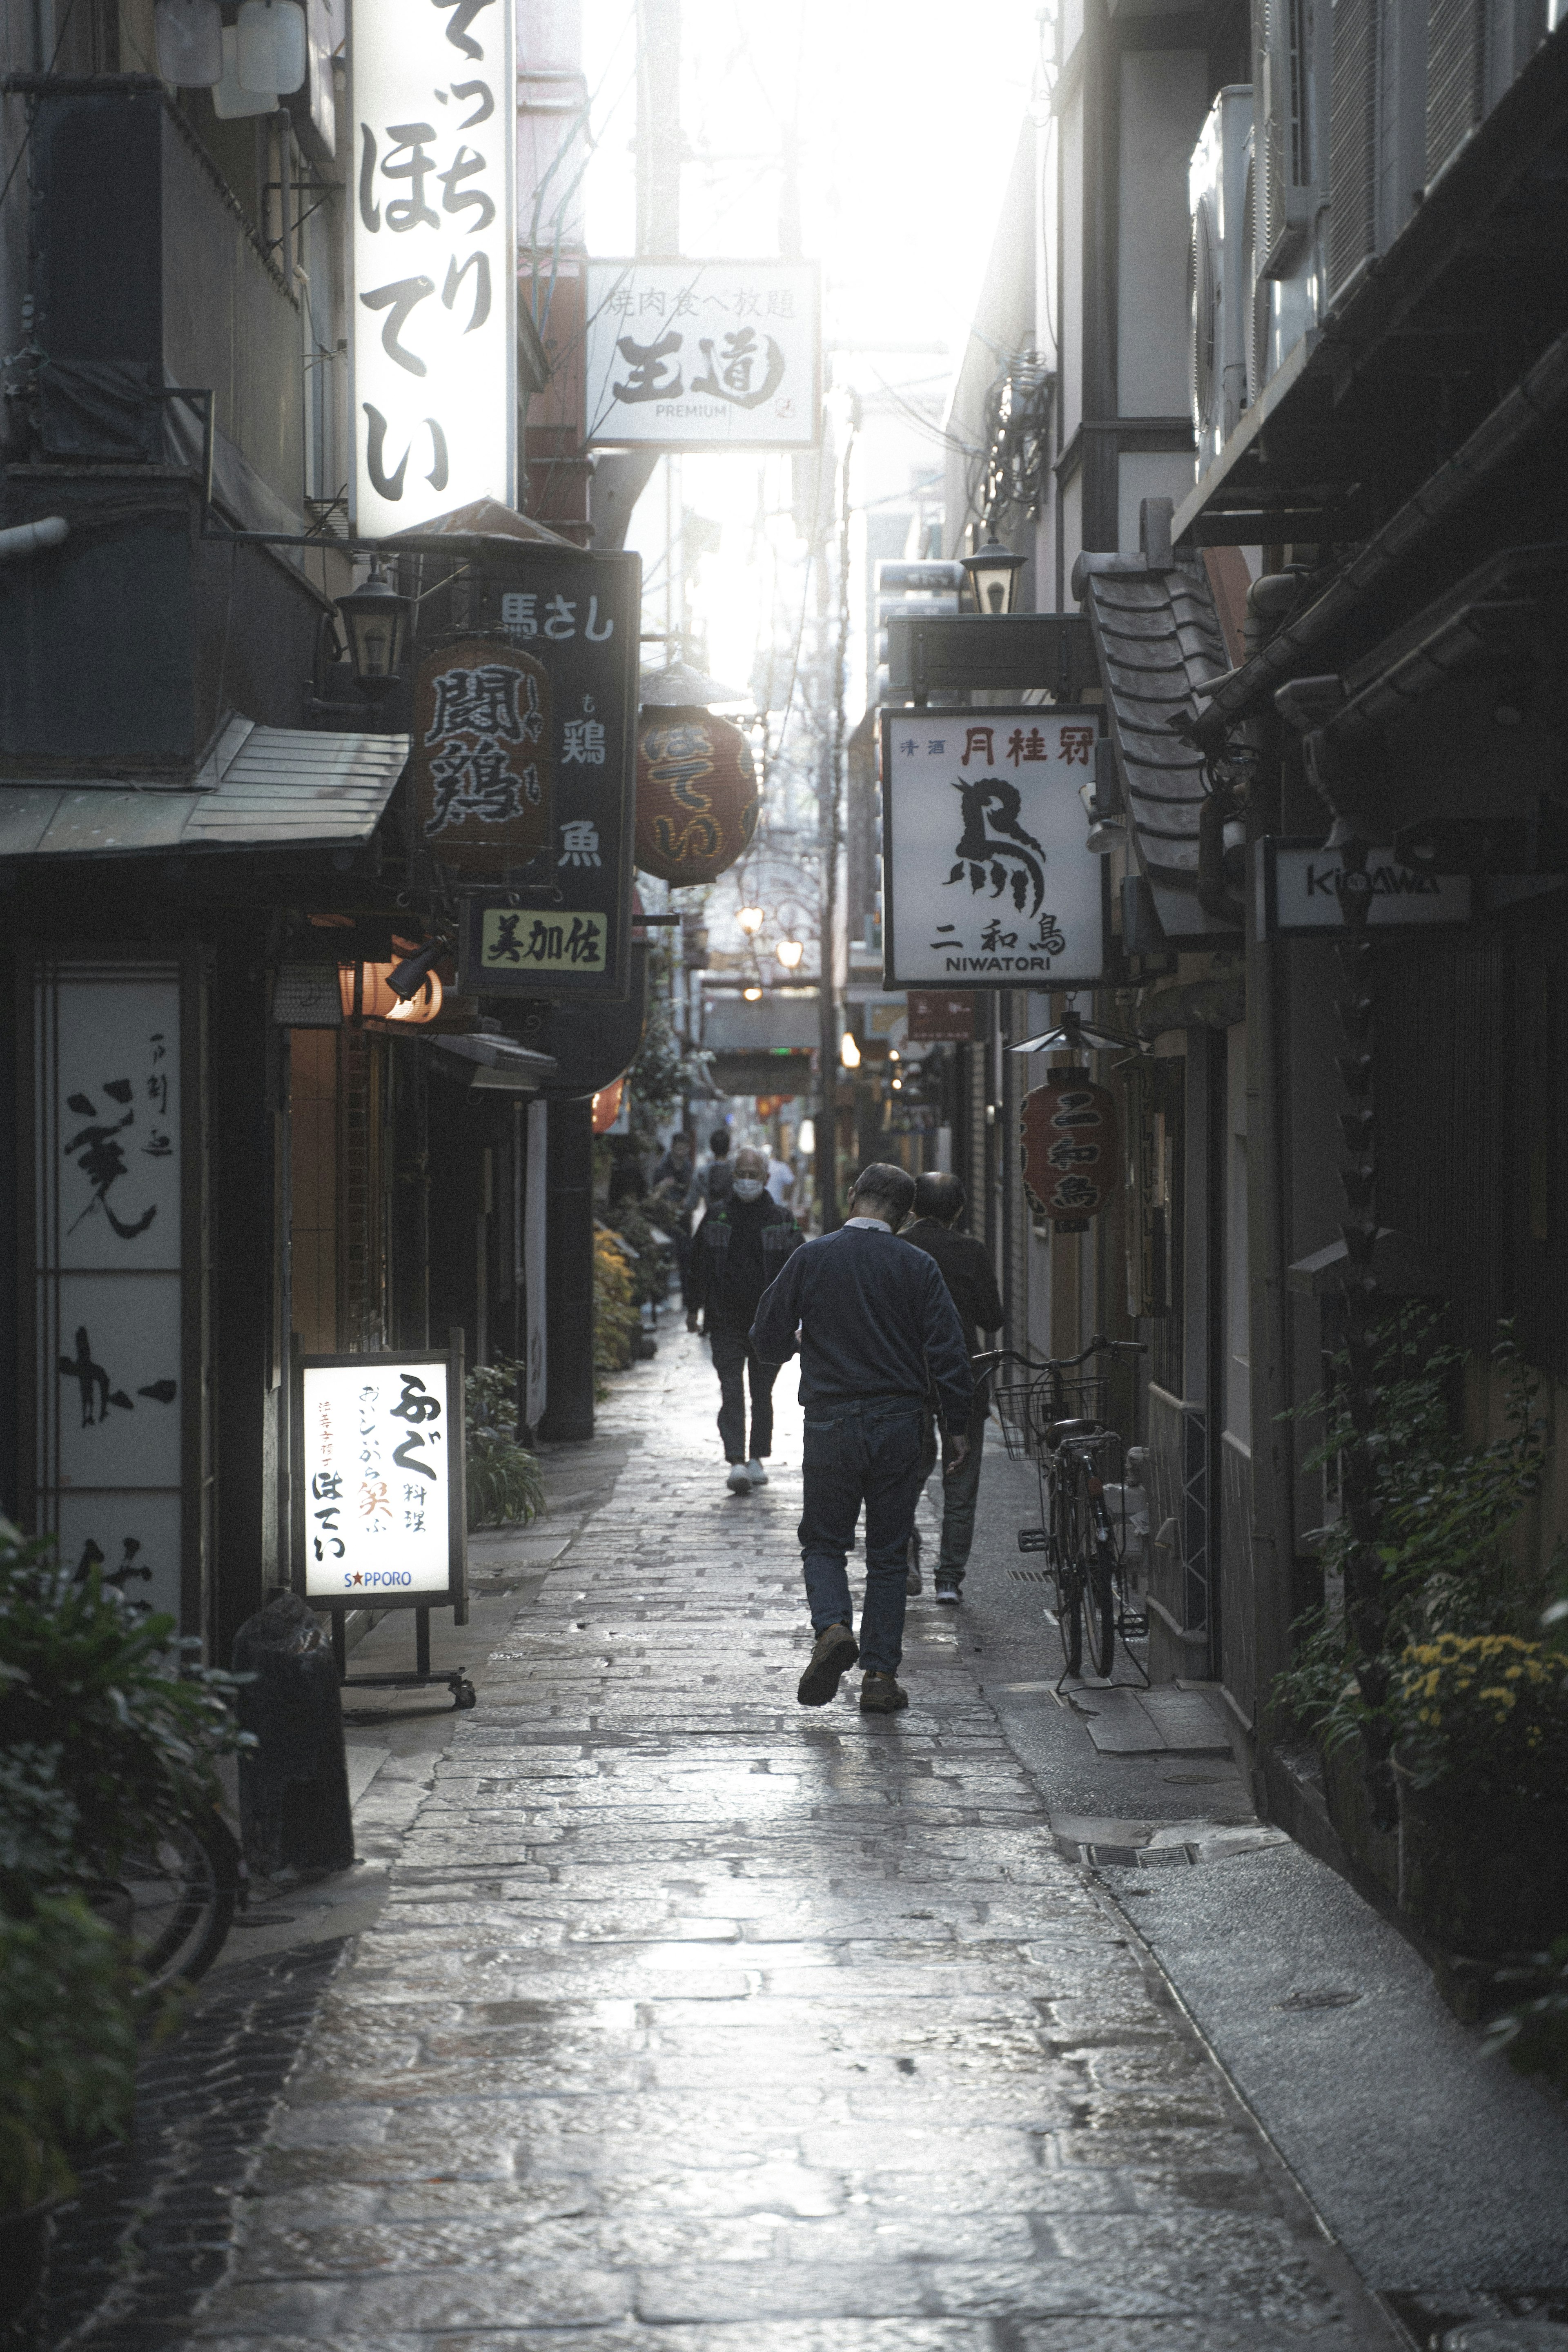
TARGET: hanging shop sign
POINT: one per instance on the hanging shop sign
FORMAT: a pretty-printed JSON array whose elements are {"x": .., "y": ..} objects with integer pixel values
[
  {"x": 704, "y": 354},
  {"x": 434, "y": 335},
  {"x": 379, "y": 1497},
  {"x": 988, "y": 879},
  {"x": 938, "y": 1016},
  {"x": 1071, "y": 1163},
  {"x": 483, "y": 765},
  {"x": 1301, "y": 887},
  {"x": 697, "y": 795}
]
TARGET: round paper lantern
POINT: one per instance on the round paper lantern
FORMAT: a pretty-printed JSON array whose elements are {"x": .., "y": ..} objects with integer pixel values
[
  {"x": 606, "y": 1107},
  {"x": 1070, "y": 1161},
  {"x": 697, "y": 795}
]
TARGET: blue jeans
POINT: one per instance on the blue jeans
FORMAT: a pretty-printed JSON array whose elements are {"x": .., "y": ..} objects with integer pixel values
[{"x": 870, "y": 1453}]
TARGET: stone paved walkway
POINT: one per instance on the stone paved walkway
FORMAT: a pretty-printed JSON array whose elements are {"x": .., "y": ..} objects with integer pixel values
[{"x": 696, "y": 2020}]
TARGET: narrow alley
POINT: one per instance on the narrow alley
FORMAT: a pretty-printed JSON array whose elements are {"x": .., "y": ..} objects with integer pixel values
[{"x": 693, "y": 2019}]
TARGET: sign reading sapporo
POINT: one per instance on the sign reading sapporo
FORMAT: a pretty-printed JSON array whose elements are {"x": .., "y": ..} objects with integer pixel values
[
  {"x": 381, "y": 1493},
  {"x": 704, "y": 354},
  {"x": 989, "y": 880},
  {"x": 434, "y": 315}
]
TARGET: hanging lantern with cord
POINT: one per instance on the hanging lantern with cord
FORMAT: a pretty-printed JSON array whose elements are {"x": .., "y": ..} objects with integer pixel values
[
  {"x": 1071, "y": 1164},
  {"x": 697, "y": 793}
]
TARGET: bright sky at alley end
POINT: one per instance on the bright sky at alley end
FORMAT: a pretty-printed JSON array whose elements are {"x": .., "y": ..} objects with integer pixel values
[{"x": 891, "y": 104}]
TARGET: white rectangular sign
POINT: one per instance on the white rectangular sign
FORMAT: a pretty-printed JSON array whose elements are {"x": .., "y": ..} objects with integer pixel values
[
  {"x": 987, "y": 879},
  {"x": 704, "y": 354},
  {"x": 435, "y": 298},
  {"x": 376, "y": 1472},
  {"x": 1302, "y": 887}
]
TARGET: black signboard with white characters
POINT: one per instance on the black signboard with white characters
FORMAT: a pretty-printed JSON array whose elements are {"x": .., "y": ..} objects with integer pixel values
[
  {"x": 524, "y": 767},
  {"x": 988, "y": 879}
]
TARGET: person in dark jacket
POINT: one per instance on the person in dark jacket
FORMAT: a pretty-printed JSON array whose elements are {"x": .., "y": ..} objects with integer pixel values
[
  {"x": 878, "y": 1332},
  {"x": 966, "y": 1269},
  {"x": 740, "y": 1246}
]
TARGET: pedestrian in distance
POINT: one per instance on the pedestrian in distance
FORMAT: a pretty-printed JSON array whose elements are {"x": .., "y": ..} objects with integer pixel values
[
  {"x": 738, "y": 1247},
  {"x": 781, "y": 1179},
  {"x": 878, "y": 1332},
  {"x": 971, "y": 1279},
  {"x": 715, "y": 1176}
]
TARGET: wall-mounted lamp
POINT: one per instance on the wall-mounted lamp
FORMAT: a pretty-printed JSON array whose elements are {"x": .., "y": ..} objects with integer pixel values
[
  {"x": 367, "y": 993},
  {"x": 994, "y": 575},
  {"x": 376, "y": 619}
]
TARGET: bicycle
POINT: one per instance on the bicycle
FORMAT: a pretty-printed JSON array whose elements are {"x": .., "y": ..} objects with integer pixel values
[
  {"x": 174, "y": 1900},
  {"x": 1059, "y": 1422}
]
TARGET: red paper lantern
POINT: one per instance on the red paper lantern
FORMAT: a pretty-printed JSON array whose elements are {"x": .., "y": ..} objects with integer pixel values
[
  {"x": 697, "y": 795},
  {"x": 1071, "y": 1162},
  {"x": 606, "y": 1107}
]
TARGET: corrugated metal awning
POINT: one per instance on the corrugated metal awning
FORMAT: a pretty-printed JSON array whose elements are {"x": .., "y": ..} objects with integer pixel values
[{"x": 263, "y": 787}]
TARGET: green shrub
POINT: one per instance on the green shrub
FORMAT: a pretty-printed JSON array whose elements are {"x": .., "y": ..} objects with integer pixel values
[
  {"x": 616, "y": 1320},
  {"x": 67, "y": 2045},
  {"x": 505, "y": 1485}
]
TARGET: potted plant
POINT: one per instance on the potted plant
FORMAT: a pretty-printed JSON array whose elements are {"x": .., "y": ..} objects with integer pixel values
[{"x": 1481, "y": 1763}]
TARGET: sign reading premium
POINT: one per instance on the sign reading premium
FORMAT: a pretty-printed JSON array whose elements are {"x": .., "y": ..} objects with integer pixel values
[
  {"x": 989, "y": 882},
  {"x": 704, "y": 354},
  {"x": 379, "y": 1501},
  {"x": 435, "y": 336},
  {"x": 1301, "y": 887}
]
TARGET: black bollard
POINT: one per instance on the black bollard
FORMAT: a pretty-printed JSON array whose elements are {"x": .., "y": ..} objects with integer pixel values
[{"x": 294, "y": 1783}]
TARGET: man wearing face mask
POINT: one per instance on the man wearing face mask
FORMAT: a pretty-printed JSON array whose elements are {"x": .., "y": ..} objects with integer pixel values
[{"x": 741, "y": 1244}]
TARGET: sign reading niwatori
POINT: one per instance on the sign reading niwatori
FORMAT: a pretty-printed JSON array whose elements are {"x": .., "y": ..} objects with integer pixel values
[
  {"x": 435, "y": 332},
  {"x": 379, "y": 1501},
  {"x": 704, "y": 354},
  {"x": 988, "y": 880}
]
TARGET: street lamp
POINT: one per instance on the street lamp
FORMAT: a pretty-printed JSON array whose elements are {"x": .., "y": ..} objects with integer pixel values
[
  {"x": 789, "y": 954},
  {"x": 750, "y": 919},
  {"x": 376, "y": 619},
  {"x": 994, "y": 575},
  {"x": 848, "y": 1051}
]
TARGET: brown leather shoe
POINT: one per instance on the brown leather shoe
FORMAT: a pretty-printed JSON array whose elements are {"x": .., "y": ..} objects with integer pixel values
[
  {"x": 834, "y": 1652},
  {"x": 882, "y": 1695}
]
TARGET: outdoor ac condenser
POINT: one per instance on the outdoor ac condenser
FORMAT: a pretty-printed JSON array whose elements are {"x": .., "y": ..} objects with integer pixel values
[
  {"x": 1218, "y": 288},
  {"x": 1291, "y": 80}
]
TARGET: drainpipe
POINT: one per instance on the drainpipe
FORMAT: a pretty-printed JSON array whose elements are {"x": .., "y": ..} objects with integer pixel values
[{"x": 29, "y": 537}]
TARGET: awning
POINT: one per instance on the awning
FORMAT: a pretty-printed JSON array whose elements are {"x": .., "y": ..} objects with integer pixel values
[
  {"x": 493, "y": 1064},
  {"x": 1158, "y": 639},
  {"x": 263, "y": 787}
]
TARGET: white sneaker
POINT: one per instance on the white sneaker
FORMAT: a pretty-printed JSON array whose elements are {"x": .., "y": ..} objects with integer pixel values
[
  {"x": 737, "y": 1482},
  {"x": 756, "y": 1474}
]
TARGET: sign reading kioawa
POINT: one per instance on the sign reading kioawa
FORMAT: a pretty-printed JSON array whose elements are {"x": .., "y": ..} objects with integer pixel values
[{"x": 988, "y": 877}]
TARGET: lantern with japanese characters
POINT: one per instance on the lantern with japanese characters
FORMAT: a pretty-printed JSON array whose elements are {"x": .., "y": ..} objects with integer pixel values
[
  {"x": 1071, "y": 1163},
  {"x": 696, "y": 793}
]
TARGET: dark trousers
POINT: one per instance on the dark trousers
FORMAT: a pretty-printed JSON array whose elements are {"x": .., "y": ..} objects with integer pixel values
[
  {"x": 856, "y": 1453},
  {"x": 959, "y": 1495},
  {"x": 736, "y": 1365}
]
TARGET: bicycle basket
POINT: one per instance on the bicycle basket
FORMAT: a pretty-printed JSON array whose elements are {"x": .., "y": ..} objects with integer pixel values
[
  {"x": 1079, "y": 1400},
  {"x": 1020, "y": 1417}
]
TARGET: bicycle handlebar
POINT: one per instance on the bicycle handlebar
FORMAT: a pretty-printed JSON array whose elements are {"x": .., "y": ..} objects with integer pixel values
[{"x": 1096, "y": 1346}]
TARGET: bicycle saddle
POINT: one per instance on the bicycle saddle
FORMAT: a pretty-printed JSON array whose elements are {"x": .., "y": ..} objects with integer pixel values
[{"x": 1060, "y": 1429}]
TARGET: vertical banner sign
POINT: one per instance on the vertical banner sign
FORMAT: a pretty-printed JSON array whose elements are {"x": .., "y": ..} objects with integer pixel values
[
  {"x": 435, "y": 298},
  {"x": 524, "y": 761},
  {"x": 112, "y": 1375},
  {"x": 379, "y": 1500},
  {"x": 988, "y": 877}
]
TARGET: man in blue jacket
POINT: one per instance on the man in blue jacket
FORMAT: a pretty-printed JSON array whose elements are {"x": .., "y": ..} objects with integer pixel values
[{"x": 877, "y": 1333}]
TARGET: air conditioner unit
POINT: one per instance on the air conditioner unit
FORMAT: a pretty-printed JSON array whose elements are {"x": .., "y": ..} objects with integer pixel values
[
  {"x": 1217, "y": 289},
  {"x": 1281, "y": 310},
  {"x": 1286, "y": 195}
]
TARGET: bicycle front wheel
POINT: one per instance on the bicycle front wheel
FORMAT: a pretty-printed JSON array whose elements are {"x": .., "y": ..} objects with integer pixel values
[
  {"x": 1101, "y": 1607},
  {"x": 181, "y": 1893}
]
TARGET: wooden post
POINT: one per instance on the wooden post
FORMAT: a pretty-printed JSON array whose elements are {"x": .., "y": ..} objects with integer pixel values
[{"x": 569, "y": 1298}]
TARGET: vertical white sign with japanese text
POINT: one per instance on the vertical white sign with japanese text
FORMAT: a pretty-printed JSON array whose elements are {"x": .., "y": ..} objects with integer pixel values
[
  {"x": 987, "y": 876},
  {"x": 704, "y": 354},
  {"x": 376, "y": 1471},
  {"x": 435, "y": 336},
  {"x": 111, "y": 1370}
]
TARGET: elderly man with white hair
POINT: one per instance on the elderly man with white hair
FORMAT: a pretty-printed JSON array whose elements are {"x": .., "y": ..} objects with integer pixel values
[{"x": 741, "y": 1245}]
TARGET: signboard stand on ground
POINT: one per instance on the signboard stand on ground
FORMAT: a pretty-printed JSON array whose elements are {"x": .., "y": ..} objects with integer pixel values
[{"x": 380, "y": 1502}]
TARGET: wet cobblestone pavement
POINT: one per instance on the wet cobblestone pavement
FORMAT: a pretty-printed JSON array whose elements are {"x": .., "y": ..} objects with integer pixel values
[{"x": 696, "y": 2019}]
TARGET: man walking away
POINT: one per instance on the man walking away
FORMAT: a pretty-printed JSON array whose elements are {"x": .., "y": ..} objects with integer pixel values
[
  {"x": 740, "y": 1246},
  {"x": 967, "y": 1271},
  {"x": 715, "y": 1176},
  {"x": 878, "y": 1332}
]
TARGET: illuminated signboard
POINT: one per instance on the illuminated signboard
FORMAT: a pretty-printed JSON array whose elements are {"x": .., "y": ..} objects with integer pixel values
[
  {"x": 378, "y": 1493},
  {"x": 704, "y": 354},
  {"x": 435, "y": 337}
]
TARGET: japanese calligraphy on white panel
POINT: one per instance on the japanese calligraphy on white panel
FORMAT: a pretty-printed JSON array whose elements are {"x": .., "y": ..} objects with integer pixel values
[
  {"x": 377, "y": 1479},
  {"x": 987, "y": 877},
  {"x": 703, "y": 354},
  {"x": 434, "y": 303}
]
